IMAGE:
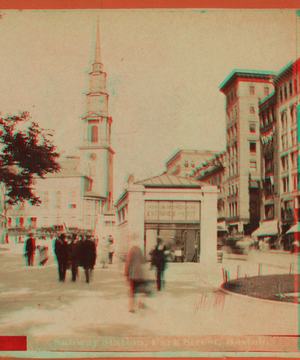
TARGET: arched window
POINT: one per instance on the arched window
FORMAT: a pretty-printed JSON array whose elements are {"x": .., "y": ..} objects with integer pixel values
[{"x": 94, "y": 133}]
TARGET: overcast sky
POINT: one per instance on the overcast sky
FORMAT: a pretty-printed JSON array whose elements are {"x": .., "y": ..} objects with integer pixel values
[{"x": 163, "y": 72}]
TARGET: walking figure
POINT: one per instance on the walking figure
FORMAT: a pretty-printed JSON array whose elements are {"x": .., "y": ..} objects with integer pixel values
[
  {"x": 111, "y": 249},
  {"x": 30, "y": 249},
  {"x": 158, "y": 260},
  {"x": 74, "y": 248},
  {"x": 62, "y": 255},
  {"x": 135, "y": 273},
  {"x": 88, "y": 250},
  {"x": 104, "y": 252}
]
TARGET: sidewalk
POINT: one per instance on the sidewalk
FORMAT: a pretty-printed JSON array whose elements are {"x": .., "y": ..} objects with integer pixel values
[{"x": 35, "y": 304}]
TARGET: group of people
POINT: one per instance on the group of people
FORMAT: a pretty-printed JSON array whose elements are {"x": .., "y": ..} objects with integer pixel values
[
  {"x": 80, "y": 251},
  {"x": 137, "y": 273},
  {"x": 72, "y": 252}
]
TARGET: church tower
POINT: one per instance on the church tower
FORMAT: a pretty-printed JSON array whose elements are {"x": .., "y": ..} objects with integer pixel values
[{"x": 96, "y": 153}]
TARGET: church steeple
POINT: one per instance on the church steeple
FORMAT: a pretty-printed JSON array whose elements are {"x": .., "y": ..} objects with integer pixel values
[
  {"x": 95, "y": 141},
  {"x": 97, "y": 59}
]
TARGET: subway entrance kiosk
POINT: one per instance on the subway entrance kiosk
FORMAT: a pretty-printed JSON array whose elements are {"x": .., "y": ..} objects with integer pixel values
[{"x": 183, "y": 212}]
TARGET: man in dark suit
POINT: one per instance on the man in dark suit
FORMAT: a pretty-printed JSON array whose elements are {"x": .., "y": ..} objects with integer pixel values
[
  {"x": 30, "y": 249},
  {"x": 62, "y": 255}
]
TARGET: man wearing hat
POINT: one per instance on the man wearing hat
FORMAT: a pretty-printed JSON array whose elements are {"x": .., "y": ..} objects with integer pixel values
[
  {"x": 30, "y": 249},
  {"x": 62, "y": 255},
  {"x": 158, "y": 259}
]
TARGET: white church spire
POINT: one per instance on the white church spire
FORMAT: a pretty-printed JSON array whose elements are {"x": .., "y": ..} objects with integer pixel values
[{"x": 97, "y": 58}]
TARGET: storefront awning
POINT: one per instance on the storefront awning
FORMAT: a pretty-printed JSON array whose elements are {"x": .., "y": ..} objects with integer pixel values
[
  {"x": 221, "y": 226},
  {"x": 267, "y": 228},
  {"x": 294, "y": 228}
]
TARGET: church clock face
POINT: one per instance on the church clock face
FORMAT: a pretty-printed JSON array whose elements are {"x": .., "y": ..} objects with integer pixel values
[{"x": 93, "y": 156}]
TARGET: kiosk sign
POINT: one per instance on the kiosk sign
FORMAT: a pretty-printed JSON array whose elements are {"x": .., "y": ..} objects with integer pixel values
[{"x": 172, "y": 211}]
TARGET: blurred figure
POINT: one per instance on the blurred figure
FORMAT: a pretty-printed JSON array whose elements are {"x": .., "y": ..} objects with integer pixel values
[
  {"x": 62, "y": 255},
  {"x": 104, "y": 252},
  {"x": 30, "y": 249},
  {"x": 43, "y": 254},
  {"x": 74, "y": 249},
  {"x": 88, "y": 251},
  {"x": 135, "y": 273},
  {"x": 158, "y": 260},
  {"x": 111, "y": 249}
]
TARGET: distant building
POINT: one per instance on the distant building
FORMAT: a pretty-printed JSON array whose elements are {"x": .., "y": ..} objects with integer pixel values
[
  {"x": 270, "y": 192},
  {"x": 287, "y": 93},
  {"x": 80, "y": 196},
  {"x": 213, "y": 173},
  {"x": 243, "y": 89},
  {"x": 185, "y": 162}
]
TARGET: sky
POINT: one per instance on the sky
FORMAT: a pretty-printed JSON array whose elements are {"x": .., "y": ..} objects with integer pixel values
[{"x": 163, "y": 70}]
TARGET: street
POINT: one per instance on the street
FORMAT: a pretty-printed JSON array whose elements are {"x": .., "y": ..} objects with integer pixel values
[{"x": 70, "y": 316}]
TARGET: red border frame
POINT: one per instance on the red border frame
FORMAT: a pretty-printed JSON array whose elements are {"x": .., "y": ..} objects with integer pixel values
[
  {"x": 147, "y": 4},
  {"x": 153, "y": 4}
]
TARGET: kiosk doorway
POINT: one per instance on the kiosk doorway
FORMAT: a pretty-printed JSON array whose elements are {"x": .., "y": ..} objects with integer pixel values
[{"x": 183, "y": 242}]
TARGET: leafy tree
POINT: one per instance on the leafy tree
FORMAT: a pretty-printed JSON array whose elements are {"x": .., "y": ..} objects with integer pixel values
[{"x": 24, "y": 156}]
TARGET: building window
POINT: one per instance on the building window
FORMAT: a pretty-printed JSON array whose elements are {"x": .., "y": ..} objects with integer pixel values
[
  {"x": 266, "y": 91},
  {"x": 281, "y": 96},
  {"x": 285, "y": 162},
  {"x": 285, "y": 91},
  {"x": 283, "y": 120},
  {"x": 294, "y": 159},
  {"x": 294, "y": 137},
  {"x": 291, "y": 87},
  {"x": 252, "y": 90},
  {"x": 295, "y": 181},
  {"x": 252, "y": 109},
  {"x": 252, "y": 128},
  {"x": 285, "y": 184},
  {"x": 253, "y": 165},
  {"x": 94, "y": 134},
  {"x": 252, "y": 146},
  {"x": 294, "y": 114},
  {"x": 269, "y": 211},
  {"x": 284, "y": 142}
]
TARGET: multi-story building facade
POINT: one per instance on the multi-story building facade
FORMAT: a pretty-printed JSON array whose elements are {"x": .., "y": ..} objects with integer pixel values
[
  {"x": 287, "y": 84},
  {"x": 184, "y": 162},
  {"x": 243, "y": 89},
  {"x": 270, "y": 192},
  {"x": 213, "y": 172}
]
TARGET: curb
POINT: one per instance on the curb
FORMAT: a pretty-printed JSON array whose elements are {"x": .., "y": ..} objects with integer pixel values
[{"x": 255, "y": 298}]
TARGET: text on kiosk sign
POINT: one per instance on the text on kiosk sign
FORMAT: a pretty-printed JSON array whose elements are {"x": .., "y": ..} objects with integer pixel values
[{"x": 172, "y": 211}]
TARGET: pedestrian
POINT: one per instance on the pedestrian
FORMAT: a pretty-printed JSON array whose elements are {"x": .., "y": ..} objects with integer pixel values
[
  {"x": 43, "y": 254},
  {"x": 111, "y": 249},
  {"x": 135, "y": 273},
  {"x": 88, "y": 250},
  {"x": 74, "y": 249},
  {"x": 30, "y": 249},
  {"x": 104, "y": 252},
  {"x": 62, "y": 255},
  {"x": 158, "y": 260}
]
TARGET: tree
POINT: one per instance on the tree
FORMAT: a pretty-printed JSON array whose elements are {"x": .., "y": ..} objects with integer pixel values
[{"x": 25, "y": 155}]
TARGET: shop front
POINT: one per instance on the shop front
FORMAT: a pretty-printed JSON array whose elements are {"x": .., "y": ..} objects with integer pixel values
[
  {"x": 181, "y": 211},
  {"x": 178, "y": 224}
]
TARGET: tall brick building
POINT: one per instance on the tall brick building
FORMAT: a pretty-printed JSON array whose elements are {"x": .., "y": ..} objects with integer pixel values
[
  {"x": 243, "y": 89},
  {"x": 287, "y": 83}
]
